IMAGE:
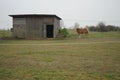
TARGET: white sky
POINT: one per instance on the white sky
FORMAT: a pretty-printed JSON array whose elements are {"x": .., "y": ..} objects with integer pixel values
[{"x": 84, "y": 12}]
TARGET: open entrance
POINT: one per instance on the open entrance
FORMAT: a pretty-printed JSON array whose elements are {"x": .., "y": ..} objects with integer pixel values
[{"x": 49, "y": 31}]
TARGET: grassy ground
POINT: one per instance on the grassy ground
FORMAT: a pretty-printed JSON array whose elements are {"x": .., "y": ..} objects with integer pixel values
[
  {"x": 5, "y": 33},
  {"x": 92, "y": 61}
]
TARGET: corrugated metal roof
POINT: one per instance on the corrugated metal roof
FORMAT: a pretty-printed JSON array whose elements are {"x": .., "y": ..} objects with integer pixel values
[{"x": 26, "y": 15}]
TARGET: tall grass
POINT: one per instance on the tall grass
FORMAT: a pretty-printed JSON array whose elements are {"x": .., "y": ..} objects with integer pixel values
[{"x": 5, "y": 33}]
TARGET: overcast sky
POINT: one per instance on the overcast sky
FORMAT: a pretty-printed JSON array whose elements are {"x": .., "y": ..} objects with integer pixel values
[{"x": 84, "y": 12}]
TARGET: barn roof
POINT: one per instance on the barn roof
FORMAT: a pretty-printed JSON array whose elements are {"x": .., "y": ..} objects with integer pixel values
[{"x": 44, "y": 15}]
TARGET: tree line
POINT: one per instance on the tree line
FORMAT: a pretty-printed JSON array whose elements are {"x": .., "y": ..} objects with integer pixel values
[{"x": 101, "y": 27}]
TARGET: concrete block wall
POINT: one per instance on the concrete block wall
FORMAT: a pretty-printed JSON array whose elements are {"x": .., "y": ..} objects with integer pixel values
[{"x": 34, "y": 26}]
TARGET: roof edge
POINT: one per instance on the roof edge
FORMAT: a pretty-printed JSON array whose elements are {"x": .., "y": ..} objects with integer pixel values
[{"x": 21, "y": 15}]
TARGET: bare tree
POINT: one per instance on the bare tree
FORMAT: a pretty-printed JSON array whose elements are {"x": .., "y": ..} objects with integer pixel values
[{"x": 76, "y": 25}]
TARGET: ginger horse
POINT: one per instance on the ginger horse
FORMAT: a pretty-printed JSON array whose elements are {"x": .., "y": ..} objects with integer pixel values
[{"x": 81, "y": 31}]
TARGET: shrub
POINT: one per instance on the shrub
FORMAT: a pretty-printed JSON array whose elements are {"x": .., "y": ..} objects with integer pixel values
[{"x": 63, "y": 33}]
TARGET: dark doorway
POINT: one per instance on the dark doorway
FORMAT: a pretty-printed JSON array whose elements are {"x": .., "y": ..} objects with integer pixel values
[{"x": 49, "y": 31}]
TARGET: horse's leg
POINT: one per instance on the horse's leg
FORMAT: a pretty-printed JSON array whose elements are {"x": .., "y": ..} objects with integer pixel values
[
  {"x": 79, "y": 36},
  {"x": 86, "y": 32}
]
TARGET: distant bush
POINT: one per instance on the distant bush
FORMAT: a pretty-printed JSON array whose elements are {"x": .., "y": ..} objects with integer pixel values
[
  {"x": 63, "y": 33},
  {"x": 101, "y": 27}
]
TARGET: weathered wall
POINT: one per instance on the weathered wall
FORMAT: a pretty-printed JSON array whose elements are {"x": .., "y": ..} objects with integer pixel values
[
  {"x": 19, "y": 27},
  {"x": 34, "y": 27},
  {"x": 57, "y": 26}
]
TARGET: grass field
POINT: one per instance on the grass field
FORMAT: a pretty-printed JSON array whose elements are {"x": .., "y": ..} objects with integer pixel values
[
  {"x": 93, "y": 57},
  {"x": 5, "y": 33}
]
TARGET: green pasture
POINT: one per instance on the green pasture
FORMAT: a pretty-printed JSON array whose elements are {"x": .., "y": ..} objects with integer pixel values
[
  {"x": 5, "y": 33},
  {"x": 95, "y": 56}
]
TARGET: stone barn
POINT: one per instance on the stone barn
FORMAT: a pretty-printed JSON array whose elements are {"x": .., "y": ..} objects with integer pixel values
[{"x": 34, "y": 26}]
